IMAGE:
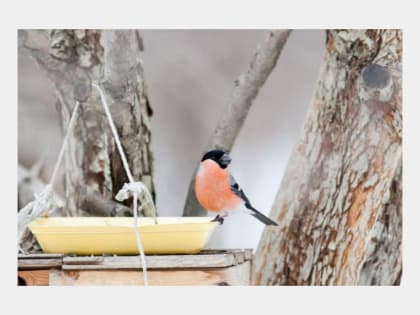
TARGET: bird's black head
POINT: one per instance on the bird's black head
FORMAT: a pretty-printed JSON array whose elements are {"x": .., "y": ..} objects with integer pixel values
[{"x": 219, "y": 156}]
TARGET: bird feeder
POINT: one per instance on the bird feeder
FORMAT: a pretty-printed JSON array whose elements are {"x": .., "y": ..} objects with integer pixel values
[{"x": 115, "y": 235}]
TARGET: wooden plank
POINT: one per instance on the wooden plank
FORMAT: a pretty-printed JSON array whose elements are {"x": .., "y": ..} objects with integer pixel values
[
  {"x": 39, "y": 255},
  {"x": 239, "y": 256},
  {"x": 246, "y": 251},
  {"x": 235, "y": 275},
  {"x": 39, "y": 263},
  {"x": 248, "y": 254},
  {"x": 34, "y": 277},
  {"x": 205, "y": 259},
  {"x": 153, "y": 262},
  {"x": 213, "y": 251}
]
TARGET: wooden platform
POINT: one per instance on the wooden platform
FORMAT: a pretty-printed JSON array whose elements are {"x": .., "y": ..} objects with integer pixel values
[{"x": 209, "y": 267}]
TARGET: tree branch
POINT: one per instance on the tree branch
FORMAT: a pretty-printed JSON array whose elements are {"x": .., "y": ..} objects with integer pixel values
[{"x": 246, "y": 90}]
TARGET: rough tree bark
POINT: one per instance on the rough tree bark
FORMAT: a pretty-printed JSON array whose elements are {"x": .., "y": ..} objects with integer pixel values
[
  {"x": 383, "y": 263},
  {"x": 339, "y": 203},
  {"x": 246, "y": 90},
  {"x": 73, "y": 60}
]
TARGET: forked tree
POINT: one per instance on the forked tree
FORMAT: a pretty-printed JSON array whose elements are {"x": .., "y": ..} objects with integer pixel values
[{"x": 73, "y": 60}]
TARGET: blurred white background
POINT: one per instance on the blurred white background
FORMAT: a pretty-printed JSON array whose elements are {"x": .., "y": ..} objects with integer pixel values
[{"x": 190, "y": 75}]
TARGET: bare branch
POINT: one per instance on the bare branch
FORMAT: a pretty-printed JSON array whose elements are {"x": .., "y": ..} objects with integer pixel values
[
  {"x": 33, "y": 40},
  {"x": 246, "y": 90}
]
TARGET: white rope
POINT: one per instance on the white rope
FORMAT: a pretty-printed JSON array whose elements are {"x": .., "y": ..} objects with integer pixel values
[
  {"x": 127, "y": 191},
  {"x": 42, "y": 202},
  {"x": 44, "y": 197},
  {"x": 65, "y": 141},
  {"x": 133, "y": 188},
  {"x": 33, "y": 210}
]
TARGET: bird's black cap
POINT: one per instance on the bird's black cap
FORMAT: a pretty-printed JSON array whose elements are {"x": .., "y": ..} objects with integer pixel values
[{"x": 219, "y": 156}]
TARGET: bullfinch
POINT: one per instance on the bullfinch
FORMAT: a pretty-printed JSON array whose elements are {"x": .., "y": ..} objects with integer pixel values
[{"x": 217, "y": 191}]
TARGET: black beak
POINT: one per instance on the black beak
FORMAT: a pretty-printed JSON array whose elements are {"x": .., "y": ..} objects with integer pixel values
[{"x": 225, "y": 160}]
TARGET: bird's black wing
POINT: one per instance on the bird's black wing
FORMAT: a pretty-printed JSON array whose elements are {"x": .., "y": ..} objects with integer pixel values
[{"x": 234, "y": 187}]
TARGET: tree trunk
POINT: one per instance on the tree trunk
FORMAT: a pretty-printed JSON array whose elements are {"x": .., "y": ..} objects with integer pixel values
[
  {"x": 383, "y": 263},
  {"x": 73, "y": 60},
  {"x": 339, "y": 204}
]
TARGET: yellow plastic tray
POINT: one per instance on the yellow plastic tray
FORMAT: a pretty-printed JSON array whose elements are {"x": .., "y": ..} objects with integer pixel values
[{"x": 111, "y": 235}]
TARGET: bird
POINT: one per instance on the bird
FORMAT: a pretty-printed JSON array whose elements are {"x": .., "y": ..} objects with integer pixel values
[{"x": 217, "y": 190}]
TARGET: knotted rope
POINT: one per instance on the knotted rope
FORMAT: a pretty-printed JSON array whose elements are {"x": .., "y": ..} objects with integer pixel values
[
  {"x": 42, "y": 203},
  {"x": 139, "y": 188}
]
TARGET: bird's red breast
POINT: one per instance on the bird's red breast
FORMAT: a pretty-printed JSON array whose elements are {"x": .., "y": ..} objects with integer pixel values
[{"x": 212, "y": 188}]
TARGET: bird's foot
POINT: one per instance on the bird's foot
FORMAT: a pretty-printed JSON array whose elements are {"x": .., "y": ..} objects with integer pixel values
[{"x": 218, "y": 218}]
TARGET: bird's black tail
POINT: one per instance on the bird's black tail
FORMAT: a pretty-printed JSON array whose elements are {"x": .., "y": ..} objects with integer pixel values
[{"x": 261, "y": 217}]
